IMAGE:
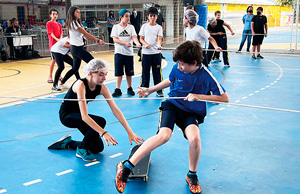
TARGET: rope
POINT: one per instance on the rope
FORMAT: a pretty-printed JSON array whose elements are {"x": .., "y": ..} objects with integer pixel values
[{"x": 148, "y": 98}]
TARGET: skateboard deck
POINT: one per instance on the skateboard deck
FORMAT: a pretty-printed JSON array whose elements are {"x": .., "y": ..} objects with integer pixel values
[{"x": 141, "y": 169}]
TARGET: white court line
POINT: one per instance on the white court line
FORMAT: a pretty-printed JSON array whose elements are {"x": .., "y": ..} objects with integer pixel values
[
  {"x": 267, "y": 86},
  {"x": 262, "y": 88},
  {"x": 213, "y": 113},
  {"x": 275, "y": 81},
  {"x": 221, "y": 108},
  {"x": 271, "y": 83},
  {"x": 237, "y": 101},
  {"x": 244, "y": 97},
  {"x": 256, "y": 91},
  {"x": 32, "y": 182},
  {"x": 116, "y": 155},
  {"x": 64, "y": 172},
  {"x": 3, "y": 190},
  {"x": 92, "y": 163},
  {"x": 251, "y": 94}
]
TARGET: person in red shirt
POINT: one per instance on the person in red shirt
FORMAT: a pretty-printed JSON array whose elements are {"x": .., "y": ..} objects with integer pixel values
[{"x": 55, "y": 33}]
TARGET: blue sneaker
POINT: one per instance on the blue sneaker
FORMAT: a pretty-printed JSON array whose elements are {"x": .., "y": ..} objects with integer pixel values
[
  {"x": 61, "y": 143},
  {"x": 85, "y": 154}
]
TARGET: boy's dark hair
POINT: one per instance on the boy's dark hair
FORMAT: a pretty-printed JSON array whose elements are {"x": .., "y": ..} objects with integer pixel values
[
  {"x": 188, "y": 52},
  {"x": 152, "y": 10},
  {"x": 260, "y": 8},
  {"x": 216, "y": 12},
  {"x": 156, "y": 5},
  {"x": 249, "y": 7},
  {"x": 190, "y": 7},
  {"x": 52, "y": 10}
]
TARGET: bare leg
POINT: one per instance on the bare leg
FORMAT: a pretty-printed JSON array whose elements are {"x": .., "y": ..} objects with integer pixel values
[
  {"x": 193, "y": 135},
  {"x": 150, "y": 144},
  {"x": 119, "y": 80},
  {"x": 253, "y": 49},
  {"x": 129, "y": 81},
  {"x": 258, "y": 49},
  {"x": 52, "y": 63}
]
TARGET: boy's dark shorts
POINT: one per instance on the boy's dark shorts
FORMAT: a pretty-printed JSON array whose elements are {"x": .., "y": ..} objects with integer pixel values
[
  {"x": 122, "y": 61},
  {"x": 258, "y": 39},
  {"x": 171, "y": 115}
]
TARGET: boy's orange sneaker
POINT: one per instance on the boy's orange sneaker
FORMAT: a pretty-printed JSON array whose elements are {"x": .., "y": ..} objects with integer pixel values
[
  {"x": 193, "y": 182},
  {"x": 122, "y": 176}
]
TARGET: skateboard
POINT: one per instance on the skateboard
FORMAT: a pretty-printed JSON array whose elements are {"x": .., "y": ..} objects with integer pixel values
[{"x": 141, "y": 169}]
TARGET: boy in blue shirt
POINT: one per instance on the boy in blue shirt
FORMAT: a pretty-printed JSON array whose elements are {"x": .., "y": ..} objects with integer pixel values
[{"x": 190, "y": 79}]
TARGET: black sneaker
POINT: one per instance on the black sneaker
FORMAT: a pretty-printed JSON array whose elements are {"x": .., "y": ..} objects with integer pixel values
[
  {"x": 130, "y": 91},
  {"x": 253, "y": 57},
  {"x": 140, "y": 59},
  {"x": 122, "y": 176},
  {"x": 226, "y": 65},
  {"x": 56, "y": 89},
  {"x": 117, "y": 92},
  {"x": 238, "y": 51},
  {"x": 193, "y": 182},
  {"x": 162, "y": 56},
  {"x": 248, "y": 51},
  {"x": 159, "y": 94},
  {"x": 259, "y": 56}
]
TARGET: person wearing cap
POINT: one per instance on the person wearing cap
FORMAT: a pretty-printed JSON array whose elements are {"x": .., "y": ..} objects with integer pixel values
[
  {"x": 73, "y": 113},
  {"x": 198, "y": 33},
  {"x": 217, "y": 31},
  {"x": 124, "y": 35}
]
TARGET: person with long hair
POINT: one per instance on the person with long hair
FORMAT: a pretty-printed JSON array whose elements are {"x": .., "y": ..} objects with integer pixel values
[
  {"x": 76, "y": 32},
  {"x": 247, "y": 34}
]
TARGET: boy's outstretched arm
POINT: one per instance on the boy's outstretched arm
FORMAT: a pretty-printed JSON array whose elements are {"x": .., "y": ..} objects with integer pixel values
[
  {"x": 219, "y": 98},
  {"x": 143, "y": 92}
]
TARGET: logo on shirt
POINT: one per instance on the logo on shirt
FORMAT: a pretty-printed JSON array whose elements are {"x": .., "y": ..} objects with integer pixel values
[{"x": 124, "y": 34}]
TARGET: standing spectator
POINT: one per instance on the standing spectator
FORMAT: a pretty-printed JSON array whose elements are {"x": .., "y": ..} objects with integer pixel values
[
  {"x": 135, "y": 20},
  {"x": 216, "y": 57},
  {"x": 258, "y": 27},
  {"x": 247, "y": 18},
  {"x": 124, "y": 35},
  {"x": 15, "y": 28},
  {"x": 55, "y": 33},
  {"x": 198, "y": 33},
  {"x": 217, "y": 31},
  {"x": 111, "y": 21},
  {"x": 151, "y": 35},
  {"x": 160, "y": 21}
]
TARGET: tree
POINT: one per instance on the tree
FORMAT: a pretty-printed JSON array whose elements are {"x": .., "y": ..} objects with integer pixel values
[{"x": 285, "y": 2}]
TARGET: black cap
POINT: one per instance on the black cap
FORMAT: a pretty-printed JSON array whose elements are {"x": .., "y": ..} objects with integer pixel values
[{"x": 156, "y": 5}]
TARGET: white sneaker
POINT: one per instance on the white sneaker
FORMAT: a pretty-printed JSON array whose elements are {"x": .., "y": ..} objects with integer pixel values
[{"x": 63, "y": 86}]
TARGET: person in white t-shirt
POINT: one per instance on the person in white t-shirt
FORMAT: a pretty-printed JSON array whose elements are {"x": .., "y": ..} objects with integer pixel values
[
  {"x": 151, "y": 37},
  {"x": 59, "y": 52},
  {"x": 123, "y": 35},
  {"x": 75, "y": 33},
  {"x": 198, "y": 33}
]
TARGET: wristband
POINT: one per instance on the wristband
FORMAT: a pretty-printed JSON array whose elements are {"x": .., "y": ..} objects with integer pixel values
[{"x": 103, "y": 133}]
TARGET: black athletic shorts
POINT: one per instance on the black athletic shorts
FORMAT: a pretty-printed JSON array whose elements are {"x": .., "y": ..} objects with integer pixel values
[
  {"x": 122, "y": 61},
  {"x": 258, "y": 39},
  {"x": 171, "y": 115}
]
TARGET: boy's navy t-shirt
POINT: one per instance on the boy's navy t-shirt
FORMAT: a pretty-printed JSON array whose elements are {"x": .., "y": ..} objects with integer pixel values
[{"x": 200, "y": 82}]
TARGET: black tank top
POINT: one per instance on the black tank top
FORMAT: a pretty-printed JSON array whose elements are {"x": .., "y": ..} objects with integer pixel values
[{"x": 73, "y": 106}]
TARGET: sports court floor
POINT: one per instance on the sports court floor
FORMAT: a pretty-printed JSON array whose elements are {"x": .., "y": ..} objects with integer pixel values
[{"x": 244, "y": 150}]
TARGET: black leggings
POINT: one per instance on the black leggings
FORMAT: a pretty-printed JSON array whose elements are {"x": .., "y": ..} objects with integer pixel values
[
  {"x": 78, "y": 53},
  {"x": 91, "y": 140},
  {"x": 60, "y": 59}
]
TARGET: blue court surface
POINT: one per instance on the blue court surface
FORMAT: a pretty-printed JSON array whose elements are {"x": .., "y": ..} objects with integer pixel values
[{"x": 244, "y": 150}]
